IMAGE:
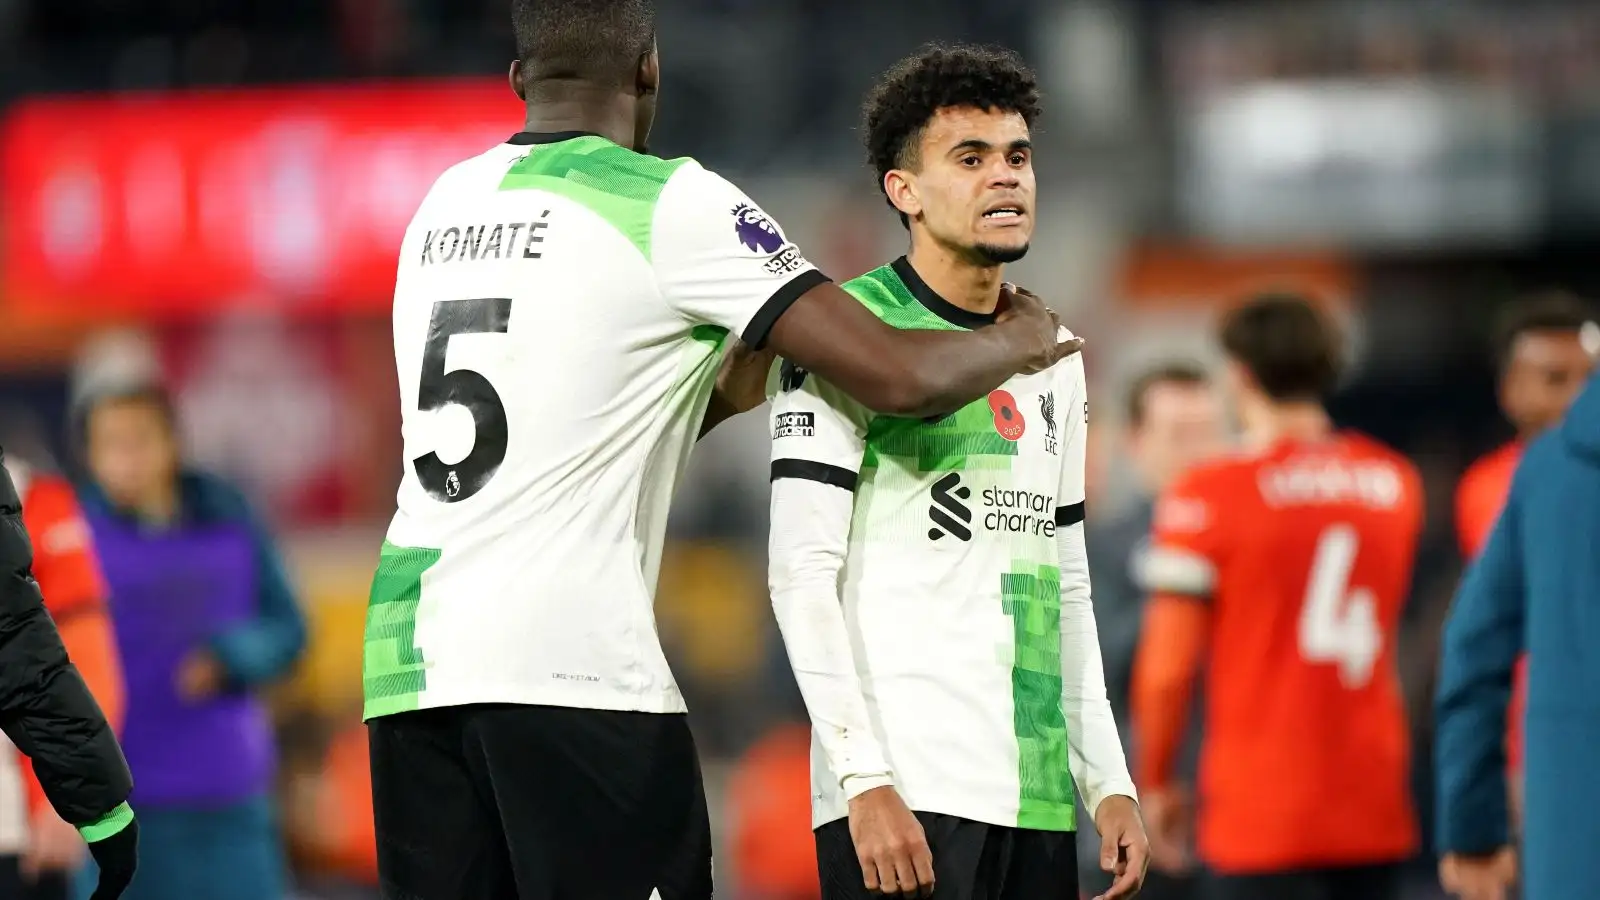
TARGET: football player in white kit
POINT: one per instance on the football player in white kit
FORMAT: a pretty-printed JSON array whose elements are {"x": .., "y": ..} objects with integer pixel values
[
  {"x": 929, "y": 576},
  {"x": 562, "y": 306}
]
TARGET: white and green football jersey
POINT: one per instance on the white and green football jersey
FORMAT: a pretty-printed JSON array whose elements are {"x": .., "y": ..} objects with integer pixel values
[
  {"x": 950, "y": 582},
  {"x": 561, "y": 307}
]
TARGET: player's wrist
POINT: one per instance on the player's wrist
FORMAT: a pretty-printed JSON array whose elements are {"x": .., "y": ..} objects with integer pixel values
[{"x": 854, "y": 786}]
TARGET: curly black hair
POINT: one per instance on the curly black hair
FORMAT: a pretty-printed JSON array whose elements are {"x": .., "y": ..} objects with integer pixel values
[{"x": 940, "y": 76}]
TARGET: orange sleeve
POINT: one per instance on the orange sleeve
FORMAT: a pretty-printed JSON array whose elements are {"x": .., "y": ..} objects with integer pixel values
[
  {"x": 1172, "y": 646},
  {"x": 69, "y": 577},
  {"x": 1479, "y": 498},
  {"x": 64, "y": 561}
]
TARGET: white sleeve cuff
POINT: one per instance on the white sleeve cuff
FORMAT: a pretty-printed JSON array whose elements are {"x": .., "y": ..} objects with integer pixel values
[{"x": 856, "y": 785}]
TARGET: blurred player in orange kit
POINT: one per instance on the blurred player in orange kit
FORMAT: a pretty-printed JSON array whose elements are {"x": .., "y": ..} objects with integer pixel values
[
  {"x": 1282, "y": 571},
  {"x": 1545, "y": 351},
  {"x": 48, "y": 850}
]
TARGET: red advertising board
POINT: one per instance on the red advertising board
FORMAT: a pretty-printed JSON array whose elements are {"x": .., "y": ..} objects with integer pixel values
[{"x": 171, "y": 205}]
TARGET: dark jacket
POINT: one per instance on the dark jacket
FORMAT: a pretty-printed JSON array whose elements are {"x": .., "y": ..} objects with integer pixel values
[
  {"x": 45, "y": 709},
  {"x": 1535, "y": 587}
]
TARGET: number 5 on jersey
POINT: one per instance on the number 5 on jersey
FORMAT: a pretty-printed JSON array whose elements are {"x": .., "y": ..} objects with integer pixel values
[
  {"x": 1339, "y": 622},
  {"x": 453, "y": 482}
]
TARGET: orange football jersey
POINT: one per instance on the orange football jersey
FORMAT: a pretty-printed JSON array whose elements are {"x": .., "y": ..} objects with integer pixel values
[
  {"x": 1304, "y": 554},
  {"x": 1481, "y": 494},
  {"x": 1479, "y": 497}
]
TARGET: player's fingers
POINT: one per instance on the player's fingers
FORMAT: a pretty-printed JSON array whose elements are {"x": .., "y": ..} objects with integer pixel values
[
  {"x": 1109, "y": 844},
  {"x": 904, "y": 876},
  {"x": 922, "y": 864},
  {"x": 869, "y": 872},
  {"x": 1136, "y": 859},
  {"x": 1126, "y": 885},
  {"x": 1067, "y": 348}
]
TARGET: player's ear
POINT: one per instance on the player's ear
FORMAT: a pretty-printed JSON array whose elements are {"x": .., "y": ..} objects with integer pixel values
[
  {"x": 900, "y": 186},
  {"x": 516, "y": 80},
  {"x": 647, "y": 80}
]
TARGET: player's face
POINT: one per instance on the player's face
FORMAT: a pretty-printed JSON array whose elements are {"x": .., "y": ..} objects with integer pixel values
[
  {"x": 131, "y": 450},
  {"x": 1543, "y": 375},
  {"x": 1183, "y": 424},
  {"x": 973, "y": 191}
]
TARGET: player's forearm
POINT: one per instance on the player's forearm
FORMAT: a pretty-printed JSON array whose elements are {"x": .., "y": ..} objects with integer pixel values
[
  {"x": 1170, "y": 653},
  {"x": 810, "y": 529},
  {"x": 951, "y": 369},
  {"x": 900, "y": 372},
  {"x": 1094, "y": 749}
]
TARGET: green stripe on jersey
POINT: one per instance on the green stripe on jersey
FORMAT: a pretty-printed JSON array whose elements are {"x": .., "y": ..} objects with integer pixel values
[
  {"x": 619, "y": 185},
  {"x": 393, "y": 670},
  {"x": 965, "y": 439},
  {"x": 882, "y": 291},
  {"x": 1033, "y": 601}
]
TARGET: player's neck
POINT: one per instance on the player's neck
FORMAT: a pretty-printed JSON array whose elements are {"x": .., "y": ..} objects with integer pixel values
[
  {"x": 972, "y": 288},
  {"x": 1301, "y": 422},
  {"x": 580, "y": 107}
]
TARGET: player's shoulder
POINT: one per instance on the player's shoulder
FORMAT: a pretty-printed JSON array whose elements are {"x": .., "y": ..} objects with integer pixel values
[
  {"x": 885, "y": 293},
  {"x": 1495, "y": 465},
  {"x": 1366, "y": 448},
  {"x": 47, "y": 493},
  {"x": 1222, "y": 474},
  {"x": 591, "y": 167},
  {"x": 1193, "y": 502},
  {"x": 683, "y": 178}
]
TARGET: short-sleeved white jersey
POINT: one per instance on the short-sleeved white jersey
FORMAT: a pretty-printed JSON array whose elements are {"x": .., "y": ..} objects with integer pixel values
[
  {"x": 561, "y": 307},
  {"x": 951, "y": 585}
]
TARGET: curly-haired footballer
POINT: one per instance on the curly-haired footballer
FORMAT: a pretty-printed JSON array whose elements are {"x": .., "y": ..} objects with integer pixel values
[{"x": 929, "y": 573}]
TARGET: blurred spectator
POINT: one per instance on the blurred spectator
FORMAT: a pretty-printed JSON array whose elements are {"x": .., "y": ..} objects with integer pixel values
[
  {"x": 204, "y": 617},
  {"x": 769, "y": 816},
  {"x": 1543, "y": 361},
  {"x": 1174, "y": 419},
  {"x": 36, "y": 842},
  {"x": 1534, "y": 588}
]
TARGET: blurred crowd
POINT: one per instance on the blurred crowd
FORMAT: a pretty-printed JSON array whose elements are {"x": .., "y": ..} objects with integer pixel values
[{"x": 240, "y": 451}]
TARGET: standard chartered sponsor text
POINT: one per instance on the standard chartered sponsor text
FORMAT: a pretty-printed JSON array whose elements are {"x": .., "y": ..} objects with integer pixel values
[{"x": 1019, "y": 512}]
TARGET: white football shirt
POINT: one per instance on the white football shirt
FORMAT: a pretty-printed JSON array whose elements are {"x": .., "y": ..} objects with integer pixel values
[
  {"x": 561, "y": 308},
  {"x": 931, "y": 586}
]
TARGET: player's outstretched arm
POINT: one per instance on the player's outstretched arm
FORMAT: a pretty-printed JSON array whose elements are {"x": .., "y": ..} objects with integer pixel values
[
  {"x": 909, "y": 372},
  {"x": 48, "y": 712},
  {"x": 720, "y": 261}
]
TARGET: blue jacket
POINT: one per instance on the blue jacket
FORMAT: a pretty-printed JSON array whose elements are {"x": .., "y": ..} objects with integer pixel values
[{"x": 1536, "y": 586}]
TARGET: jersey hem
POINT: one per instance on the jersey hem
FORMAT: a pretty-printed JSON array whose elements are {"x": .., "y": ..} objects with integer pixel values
[
  {"x": 662, "y": 703},
  {"x": 974, "y": 812}
]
